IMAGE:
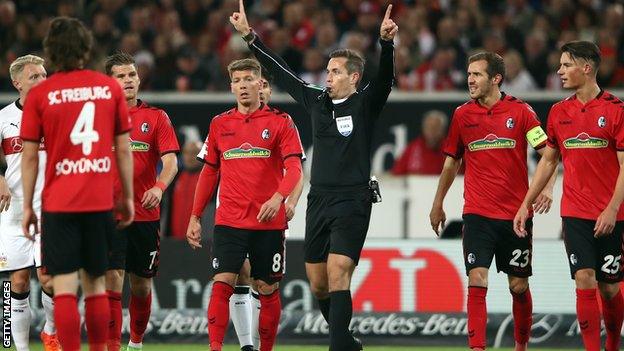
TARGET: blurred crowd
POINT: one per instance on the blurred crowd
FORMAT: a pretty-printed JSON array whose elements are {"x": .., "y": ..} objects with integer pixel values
[{"x": 185, "y": 45}]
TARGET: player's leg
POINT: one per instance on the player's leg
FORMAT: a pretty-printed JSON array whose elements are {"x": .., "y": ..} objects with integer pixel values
[
  {"x": 241, "y": 308},
  {"x": 578, "y": 236},
  {"x": 479, "y": 244},
  {"x": 255, "y": 315},
  {"x": 513, "y": 257},
  {"x": 20, "y": 308},
  {"x": 142, "y": 265},
  {"x": 266, "y": 255},
  {"x": 609, "y": 275},
  {"x": 230, "y": 247},
  {"x": 114, "y": 284},
  {"x": 48, "y": 334},
  {"x": 348, "y": 229}
]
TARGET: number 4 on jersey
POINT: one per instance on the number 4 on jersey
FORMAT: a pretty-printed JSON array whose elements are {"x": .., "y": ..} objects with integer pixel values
[{"x": 83, "y": 132}]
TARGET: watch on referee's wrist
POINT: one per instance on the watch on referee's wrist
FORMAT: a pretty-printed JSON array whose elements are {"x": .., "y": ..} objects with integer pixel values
[{"x": 249, "y": 36}]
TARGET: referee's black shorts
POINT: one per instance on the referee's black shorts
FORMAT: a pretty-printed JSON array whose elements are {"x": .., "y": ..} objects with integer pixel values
[{"x": 337, "y": 223}]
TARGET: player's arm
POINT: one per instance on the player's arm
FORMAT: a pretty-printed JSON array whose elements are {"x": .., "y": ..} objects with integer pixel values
[
  {"x": 437, "y": 216},
  {"x": 293, "y": 199},
  {"x": 206, "y": 185},
  {"x": 152, "y": 197},
  {"x": 30, "y": 167},
  {"x": 606, "y": 221},
  {"x": 545, "y": 198},
  {"x": 292, "y": 176},
  {"x": 125, "y": 169},
  {"x": 5, "y": 193},
  {"x": 301, "y": 91},
  {"x": 382, "y": 84},
  {"x": 543, "y": 174}
]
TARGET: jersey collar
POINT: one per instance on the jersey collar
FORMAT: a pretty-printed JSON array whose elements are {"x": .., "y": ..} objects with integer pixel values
[
  {"x": 577, "y": 102},
  {"x": 140, "y": 104},
  {"x": 257, "y": 113},
  {"x": 18, "y": 105}
]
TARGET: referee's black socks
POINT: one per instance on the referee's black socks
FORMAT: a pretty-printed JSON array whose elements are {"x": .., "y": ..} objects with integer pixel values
[
  {"x": 324, "y": 307},
  {"x": 340, "y": 312}
]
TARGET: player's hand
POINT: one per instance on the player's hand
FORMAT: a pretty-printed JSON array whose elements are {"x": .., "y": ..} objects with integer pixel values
[
  {"x": 151, "y": 198},
  {"x": 290, "y": 210},
  {"x": 269, "y": 209},
  {"x": 520, "y": 221},
  {"x": 437, "y": 218},
  {"x": 125, "y": 208},
  {"x": 29, "y": 219},
  {"x": 605, "y": 223},
  {"x": 239, "y": 20},
  {"x": 193, "y": 233},
  {"x": 388, "y": 28},
  {"x": 5, "y": 195},
  {"x": 543, "y": 202}
]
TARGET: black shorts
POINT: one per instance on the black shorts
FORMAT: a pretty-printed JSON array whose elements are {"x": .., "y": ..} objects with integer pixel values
[
  {"x": 484, "y": 238},
  {"x": 604, "y": 254},
  {"x": 71, "y": 241},
  {"x": 265, "y": 248},
  {"x": 337, "y": 223},
  {"x": 136, "y": 249}
]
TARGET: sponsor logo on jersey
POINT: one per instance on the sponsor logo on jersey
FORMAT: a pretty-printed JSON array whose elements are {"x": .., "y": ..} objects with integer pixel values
[
  {"x": 585, "y": 141},
  {"x": 139, "y": 146},
  {"x": 602, "y": 121},
  {"x": 246, "y": 150},
  {"x": 491, "y": 141}
]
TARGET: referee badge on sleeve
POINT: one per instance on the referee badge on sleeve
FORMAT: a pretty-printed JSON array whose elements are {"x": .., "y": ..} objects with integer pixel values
[{"x": 345, "y": 125}]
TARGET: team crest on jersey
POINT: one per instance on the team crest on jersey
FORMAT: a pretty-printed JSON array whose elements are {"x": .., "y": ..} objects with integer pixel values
[
  {"x": 145, "y": 127},
  {"x": 585, "y": 141},
  {"x": 602, "y": 121},
  {"x": 215, "y": 263},
  {"x": 491, "y": 141},
  {"x": 573, "y": 259},
  {"x": 510, "y": 123},
  {"x": 16, "y": 144},
  {"x": 139, "y": 146},
  {"x": 266, "y": 134},
  {"x": 471, "y": 258},
  {"x": 246, "y": 150},
  {"x": 345, "y": 125}
]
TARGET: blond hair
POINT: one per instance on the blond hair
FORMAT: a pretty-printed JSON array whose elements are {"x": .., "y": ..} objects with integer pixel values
[
  {"x": 245, "y": 65},
  {"x": 18, "y": 65}
]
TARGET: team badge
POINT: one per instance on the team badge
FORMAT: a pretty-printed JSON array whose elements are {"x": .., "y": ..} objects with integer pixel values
[
  {"x": 344, "y": 125},
  {"x": 510, "y": 123},
  {"x": 145, "y": 127},
  {"x": 471, "y": 258},
  {"x": 602, "y": 122},
  {"x": 573, "y": 259},
  {"x": 266, "y": 134},
  {"x": 16, "y": 144},
  {"x": 215, "y": 263}
]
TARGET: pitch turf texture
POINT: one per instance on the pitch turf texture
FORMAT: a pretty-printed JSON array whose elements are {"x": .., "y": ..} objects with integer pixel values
[{"x": 200, "y": 347}]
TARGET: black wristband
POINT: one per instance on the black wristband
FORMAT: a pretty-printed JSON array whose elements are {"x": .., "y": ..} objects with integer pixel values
[{"x": 250, "y": 36}]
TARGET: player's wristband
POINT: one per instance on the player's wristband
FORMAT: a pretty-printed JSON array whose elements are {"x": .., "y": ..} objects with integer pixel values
[
  {"x": 250, "y": 36},
  {"x": 162, "y": 186}
]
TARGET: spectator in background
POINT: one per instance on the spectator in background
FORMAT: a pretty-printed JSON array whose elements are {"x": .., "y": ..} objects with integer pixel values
[
  {"x": 536, "y": 57},
  {"x": 189, "y": 75},
  {"x": 609, "y": 73},
  {"x": 327, "y": 38},
  {"x": 424, "y": 154},
  {"x": 184, "y": 190},
  {"x": 314, "y": 67},
  {"x": 517, "y": 78},
  {"x": 440, "y": 74},
  {"x": 298, "y": 25}
]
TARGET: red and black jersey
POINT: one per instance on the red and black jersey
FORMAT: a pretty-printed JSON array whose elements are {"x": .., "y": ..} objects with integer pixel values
[
  {"x": 493, "y": 143},
  {"x": 77, "y": 114},
  {"x": 249, "y": 150},
  {"x": 588, "y": 137}
]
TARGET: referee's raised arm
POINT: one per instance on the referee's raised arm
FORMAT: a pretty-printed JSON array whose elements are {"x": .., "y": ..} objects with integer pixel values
[{"x": 301, "y": 91}]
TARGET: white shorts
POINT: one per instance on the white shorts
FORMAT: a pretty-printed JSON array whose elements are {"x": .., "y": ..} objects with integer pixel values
[{"x": 17, "y": 251}]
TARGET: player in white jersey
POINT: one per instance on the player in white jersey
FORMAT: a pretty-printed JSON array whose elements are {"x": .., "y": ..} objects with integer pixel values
[{"x": 19, "y": 254}]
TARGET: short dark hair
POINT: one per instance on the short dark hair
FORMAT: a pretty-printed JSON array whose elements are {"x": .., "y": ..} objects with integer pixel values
[
  {"x": 245, "y": 65},
  {"x": 355, "y": 61},
  {"x": 266, "y": 75},
  {"x": 68, "y": 43},
  {"x": 586, "y": 50},
  {"x": 117, "y": 59},
  {"x": 495, "y": 63}
]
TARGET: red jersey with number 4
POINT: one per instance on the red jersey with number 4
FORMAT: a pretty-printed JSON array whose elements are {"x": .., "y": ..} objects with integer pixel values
[
  {"x": 588, "y": 137},
  {"x": 77, "y": 114},
  {"x": 493, "y": 143},
  {"x": 151, "y": 136},
  {"x": 249, "y": 151}
]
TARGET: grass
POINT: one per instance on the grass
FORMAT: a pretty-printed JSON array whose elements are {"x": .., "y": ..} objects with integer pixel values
[{"x": 204, "y": 347}]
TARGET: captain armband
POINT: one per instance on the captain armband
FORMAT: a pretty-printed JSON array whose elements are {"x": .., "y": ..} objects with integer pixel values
[{"x": 536, "y": 136}]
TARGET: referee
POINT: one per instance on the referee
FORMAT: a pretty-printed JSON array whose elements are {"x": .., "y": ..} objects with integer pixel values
[{"x": 341, "y": 195}]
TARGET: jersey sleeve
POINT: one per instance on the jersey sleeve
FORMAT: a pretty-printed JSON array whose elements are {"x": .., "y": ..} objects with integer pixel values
[
  {"x": 533, "y": 130},
  {"x": 122, "y": 118},
  {"x": 454, "y": 145},
  {"x": 290, "y": 142},
  {"x": 31, "y": 128},
  {"x": 618, "y": 129},
  {"x": 550, "y": 129},
  {"x": 209, "y": 154},
  {"x": 166, "y": 140}
]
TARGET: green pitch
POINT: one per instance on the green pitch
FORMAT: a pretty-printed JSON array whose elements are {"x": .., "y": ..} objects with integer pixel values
[{"x": 200, "y": 347}]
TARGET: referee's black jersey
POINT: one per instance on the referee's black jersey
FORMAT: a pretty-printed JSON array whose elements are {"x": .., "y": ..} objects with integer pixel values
[{"x": 342, "y": 133}]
